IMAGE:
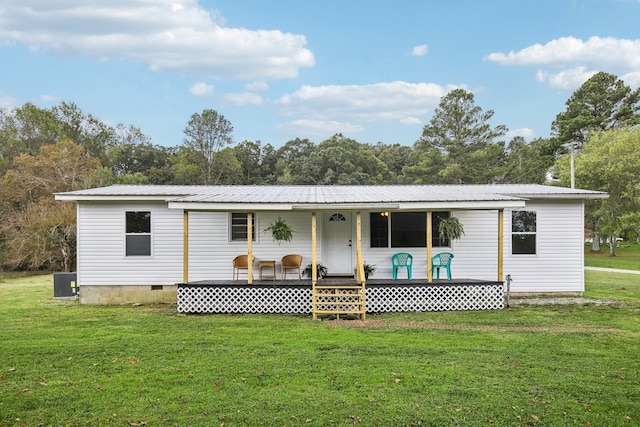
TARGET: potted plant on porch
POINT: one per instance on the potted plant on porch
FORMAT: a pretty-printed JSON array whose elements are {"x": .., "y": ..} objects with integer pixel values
[
  {"x": 321, "y": 271},
  {"x": 368, "y": 270}
]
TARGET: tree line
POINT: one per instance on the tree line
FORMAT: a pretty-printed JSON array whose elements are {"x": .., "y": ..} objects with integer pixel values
[{"x": 43, "y": 151}]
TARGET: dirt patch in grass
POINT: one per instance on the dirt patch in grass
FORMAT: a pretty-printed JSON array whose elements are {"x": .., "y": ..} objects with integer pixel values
[{"x": 557, "y": 301}]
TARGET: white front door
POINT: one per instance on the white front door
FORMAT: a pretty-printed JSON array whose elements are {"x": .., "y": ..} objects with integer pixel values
[{"x": 337, "y": 244}]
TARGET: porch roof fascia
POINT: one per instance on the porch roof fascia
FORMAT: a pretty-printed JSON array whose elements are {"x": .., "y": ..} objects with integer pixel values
[
  {"x": 436, "y": 205},
  {"x": 228, "y": 207}
]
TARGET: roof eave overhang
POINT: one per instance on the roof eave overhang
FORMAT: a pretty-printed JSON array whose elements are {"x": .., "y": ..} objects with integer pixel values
[
  {"x": 590, "y": 196},
  {"x": 93, "y": 198}
]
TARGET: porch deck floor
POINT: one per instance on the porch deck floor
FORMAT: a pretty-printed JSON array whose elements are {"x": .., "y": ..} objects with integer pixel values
[{"x": 339, "y": 282}]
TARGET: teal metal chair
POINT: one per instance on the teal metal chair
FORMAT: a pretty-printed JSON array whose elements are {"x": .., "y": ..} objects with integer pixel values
[
  {"x": 442, "y": 260},
  {"x": 401, "y": 260}
]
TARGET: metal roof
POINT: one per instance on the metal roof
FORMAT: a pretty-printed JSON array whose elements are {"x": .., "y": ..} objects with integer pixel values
[{"x": 301, "y": 196}]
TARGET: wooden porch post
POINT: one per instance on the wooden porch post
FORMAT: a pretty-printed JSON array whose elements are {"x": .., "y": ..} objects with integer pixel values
[
  {"x": 314, "y": 251},
  {"x": 250, "y": 248},
  {"x": 429, "y": 248},
  {"x": 360, "y": 278},
  {"x": 500, "y": 245},
  {"x": 185, "y": 246}
]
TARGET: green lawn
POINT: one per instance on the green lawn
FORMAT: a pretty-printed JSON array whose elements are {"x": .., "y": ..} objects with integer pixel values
[
  {"x": 63, "y": 364},
  {"x": 627, "y": 257}
]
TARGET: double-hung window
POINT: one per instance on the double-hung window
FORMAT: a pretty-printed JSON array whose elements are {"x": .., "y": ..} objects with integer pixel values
[
  {"x": 138, "y": 233},
  {"x": 523, "y": 232}
]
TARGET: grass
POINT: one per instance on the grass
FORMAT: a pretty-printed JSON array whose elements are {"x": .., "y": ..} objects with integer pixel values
[
  {"x": 63, "y": 364},
  {"x": 627, "y": 257}
]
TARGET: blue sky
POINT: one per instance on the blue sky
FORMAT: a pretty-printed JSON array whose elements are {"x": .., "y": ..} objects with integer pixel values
[{"x": 373, "y": 70}]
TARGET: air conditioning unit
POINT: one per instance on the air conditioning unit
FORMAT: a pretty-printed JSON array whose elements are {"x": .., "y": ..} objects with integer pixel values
[{"x": 65, "y": 285}]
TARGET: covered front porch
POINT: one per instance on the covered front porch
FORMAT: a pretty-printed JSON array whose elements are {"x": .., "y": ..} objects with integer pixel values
[
  {"x": 329, "y": 296},
  {"x": 358, "y": 296}
]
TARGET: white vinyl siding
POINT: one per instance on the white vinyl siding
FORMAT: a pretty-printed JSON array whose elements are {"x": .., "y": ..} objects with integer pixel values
[
  {"x": 475, "y": 255},
  {"x": 102, "y": 258},
  {"x": 211, "y": 252},
  {"x": 556, "y": 267}
]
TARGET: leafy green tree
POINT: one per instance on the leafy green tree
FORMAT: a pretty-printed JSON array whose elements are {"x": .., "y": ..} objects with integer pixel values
[
  {"x": 286, "y": 155},
  {"x": 296, "y": 148},
  {"x": 229, "y": 170},
  {"x": 458, "y": 146},
  {"x": 249, "y": 156},
  {"x": 86, "y": 130},
  {"x": 610, "y": 161},
  {"x": 529, "y": 163},
  {"x": 206, "y": 134},
  {"x": 127, "y": 158},
  {"x": 602, "y": 102},
  {"x": 25, "y": 130},
  {"x": 396, "y": 157},
  {"x": 340, "y": 161},
  {"x": 269, "y": 164},
  {"x": 185, "y": 169}
]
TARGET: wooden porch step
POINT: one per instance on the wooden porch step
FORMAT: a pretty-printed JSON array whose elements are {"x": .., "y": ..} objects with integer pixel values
[
  {"x": 339, "y": 299},
  {"x": 331, "y": 312},
  {"x": 339, "y": 276}
]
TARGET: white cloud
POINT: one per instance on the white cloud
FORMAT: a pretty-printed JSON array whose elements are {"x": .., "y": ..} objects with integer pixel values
[
  {"x": 574, "y": 60},
  {"x": 257, "y": 86},
  {"x": 566, "y": 80},
  {"x": 322, "y": 128},
  {"x": 597, "y": 52},
  {"x": 410, "y": 121},
  {"x": 632, "y": 79},
  {"x": 526, "y": 133},
  {"x": 380, "y": 101},
  {"x": 201, "y": 89},
  {"x": 48, "y": 98},
  {"x": 245, "y": 98},
  {"x": 170, "y": 36},
  {"x": 420, "y": 50},
  {"x": 7, "y": 101}
]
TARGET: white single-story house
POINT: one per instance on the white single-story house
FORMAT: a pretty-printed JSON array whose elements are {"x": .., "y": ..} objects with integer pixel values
[{"x": 137, "y": 243}]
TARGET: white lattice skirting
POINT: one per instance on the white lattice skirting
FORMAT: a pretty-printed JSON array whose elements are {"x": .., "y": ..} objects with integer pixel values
[
  {"x": 379, "y": 298},
  {"x": 239, "y": 299}
]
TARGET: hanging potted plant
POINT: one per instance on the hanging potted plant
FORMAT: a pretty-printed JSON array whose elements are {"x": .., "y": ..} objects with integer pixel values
[
  {"x": 450, "y": 228},
  {"x": 280, "y": 231}
]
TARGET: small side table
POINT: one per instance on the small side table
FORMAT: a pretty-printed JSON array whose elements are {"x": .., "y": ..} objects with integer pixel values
[{"x": 267, "y": 264}]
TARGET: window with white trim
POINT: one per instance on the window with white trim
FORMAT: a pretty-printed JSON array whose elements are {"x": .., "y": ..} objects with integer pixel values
[
  {"x": 137, "y": 233},
  {"x": 523, "y": 232},
  {"x": 239, "y": 226}
]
